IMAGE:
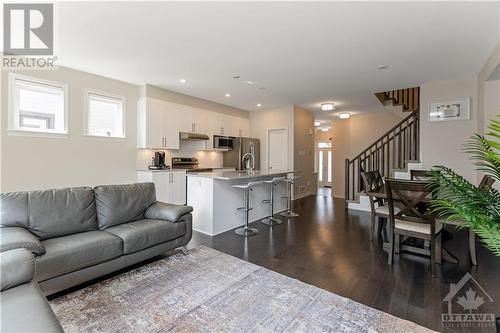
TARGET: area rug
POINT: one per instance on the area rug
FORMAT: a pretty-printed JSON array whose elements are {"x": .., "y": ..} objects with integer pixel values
[{"x": 209, "y": 291}]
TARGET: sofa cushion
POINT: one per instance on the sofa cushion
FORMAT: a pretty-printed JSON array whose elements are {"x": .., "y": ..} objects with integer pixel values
[
  {"x": 117, "y": 204},
  {"x": 61, "y": 212},
  {"x": 74, "y": 252},
  {"x": 140, "y": 235},
  {"x": 25, "y": 309},
  {"x": 14, "y": 209}
]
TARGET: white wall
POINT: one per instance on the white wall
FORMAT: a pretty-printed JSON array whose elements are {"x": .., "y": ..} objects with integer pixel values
[
  {"x": 29, "y": 163},
  {"x": 304, "y": 151},
  {"x": 263, "y": 120},
  {"x": 441, "y": 143},
  {"x": 491, "y": 101}
]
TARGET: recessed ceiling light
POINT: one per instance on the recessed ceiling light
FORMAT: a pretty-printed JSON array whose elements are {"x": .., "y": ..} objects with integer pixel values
[
  {"x": 327, "y": 106},
  {"x": 182, "y": 80},
  {"x": 324, "y": 129},
  {"x": 227, "y": 95},
  {"x": 259, "y": 105},
  {"x": 344, "y": 115},
  {"x": 236, "y": 76},
  {"x": 382, "y": 67},
  {"x": 250, "y": 82},
  {"x": 317, "y": 123}
]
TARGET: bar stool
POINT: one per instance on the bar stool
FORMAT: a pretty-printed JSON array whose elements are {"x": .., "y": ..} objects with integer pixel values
[
  {"x": 246, "y": 230},
  {"x": 290, "y": 182},
  {"x": 270, "y": 220}
]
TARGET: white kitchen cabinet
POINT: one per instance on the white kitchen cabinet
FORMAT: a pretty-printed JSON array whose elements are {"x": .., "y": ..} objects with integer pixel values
[
  {"x": 192, "y": 120},
  {"x": 158, "y": 125},
  {"x": 170, "y": 185}
]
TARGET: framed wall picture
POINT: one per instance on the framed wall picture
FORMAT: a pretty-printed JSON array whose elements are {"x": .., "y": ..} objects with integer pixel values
[{"x": 458, "y": 109}]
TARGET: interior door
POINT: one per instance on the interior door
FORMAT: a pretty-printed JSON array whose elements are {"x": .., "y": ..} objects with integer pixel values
[
  {"x": 277, "y": 155},
  {"x": 325, "y": 160}
]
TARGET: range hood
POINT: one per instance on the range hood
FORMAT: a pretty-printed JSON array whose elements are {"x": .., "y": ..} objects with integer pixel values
[{"x": 193, "y": 136}]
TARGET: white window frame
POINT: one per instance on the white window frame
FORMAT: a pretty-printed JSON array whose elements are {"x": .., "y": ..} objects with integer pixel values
[
  {"x": 87, "y": 93},
  {"x": 13, "y": 127}
]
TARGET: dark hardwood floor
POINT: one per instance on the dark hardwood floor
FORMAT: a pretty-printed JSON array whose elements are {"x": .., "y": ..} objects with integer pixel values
[{"x": 330, "y": 248}]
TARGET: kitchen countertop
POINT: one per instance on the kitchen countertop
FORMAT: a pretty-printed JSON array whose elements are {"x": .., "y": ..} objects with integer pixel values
[
  {"x": 162, "y": 170},
  {"x": 234, "y": 175}
]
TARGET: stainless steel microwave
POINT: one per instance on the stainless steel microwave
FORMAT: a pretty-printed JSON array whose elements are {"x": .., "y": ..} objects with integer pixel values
[{"x": 223, "y": 142}]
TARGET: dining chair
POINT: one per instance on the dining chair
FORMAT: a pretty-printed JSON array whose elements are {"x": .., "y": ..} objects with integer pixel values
[
  {"x": 419, "y": 175},
  {"x": 414, "y": 219},
  {"x": 485, "y": 184},
  {"x": 373, "y": 181}
]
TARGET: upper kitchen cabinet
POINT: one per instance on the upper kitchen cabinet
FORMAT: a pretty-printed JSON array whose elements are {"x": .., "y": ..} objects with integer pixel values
[
  {"x": 192, "y": 120},
  {"x": 236, "y": 126},
  {"x": 157, "y": 125}
]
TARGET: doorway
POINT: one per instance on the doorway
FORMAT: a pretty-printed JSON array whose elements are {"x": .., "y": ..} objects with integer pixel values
[
  {"x": 277, "y": 149},
  {"x": 325, "y": 161}
]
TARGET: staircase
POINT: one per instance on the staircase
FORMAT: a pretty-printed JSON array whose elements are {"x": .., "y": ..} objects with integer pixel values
[
  {"x": 408, "y": 98},
  {"x": 393, "y": 153}
]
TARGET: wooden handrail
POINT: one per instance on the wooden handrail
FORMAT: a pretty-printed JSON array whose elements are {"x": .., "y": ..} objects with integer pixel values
[{"x": 412, "y": 115}]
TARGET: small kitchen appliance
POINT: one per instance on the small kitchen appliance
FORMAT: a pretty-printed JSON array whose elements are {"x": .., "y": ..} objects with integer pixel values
[{"x": 158, "y": 161}]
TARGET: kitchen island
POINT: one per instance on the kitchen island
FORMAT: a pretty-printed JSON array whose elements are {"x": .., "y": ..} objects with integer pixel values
[{"x": 215, "y": 201}]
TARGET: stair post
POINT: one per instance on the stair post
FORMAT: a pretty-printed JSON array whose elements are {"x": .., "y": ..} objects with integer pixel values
[{"x": 346, "y": 185}]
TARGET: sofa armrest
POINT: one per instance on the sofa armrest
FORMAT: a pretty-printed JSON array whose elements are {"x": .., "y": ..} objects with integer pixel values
[
  {"x": 17, "y": 237},
  {"x": 165, "y": 211},
  {"x": 16, "y": 267}
]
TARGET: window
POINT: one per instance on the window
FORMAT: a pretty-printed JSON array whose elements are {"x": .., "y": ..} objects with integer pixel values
[
  {"x": 324, "y": 145},
  {"x": 37, "y": 105},
  {"x": 105, "y": 116}
]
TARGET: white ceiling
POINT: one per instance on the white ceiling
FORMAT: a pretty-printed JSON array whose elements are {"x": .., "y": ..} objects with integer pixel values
[{"x": 303, "y": 53}]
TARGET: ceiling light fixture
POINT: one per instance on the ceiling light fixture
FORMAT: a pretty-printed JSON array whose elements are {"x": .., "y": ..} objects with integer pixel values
[
  {"x": 259, "y": 105},
  {"x": 227, "y": 95},
  {"x": 324, "y": 129},
  {"x": 328, "y": 106},
  {"x": 250, "y": 82},
  {"x": 317, "y": 123},
  {"x": 382, "y": 67},
  {"x": 344, "y": 115},
  {"x": 182, "y": 80}
]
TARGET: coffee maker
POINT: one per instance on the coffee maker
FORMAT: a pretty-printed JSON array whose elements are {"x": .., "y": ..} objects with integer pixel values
[{"x": 158, "y": 161}]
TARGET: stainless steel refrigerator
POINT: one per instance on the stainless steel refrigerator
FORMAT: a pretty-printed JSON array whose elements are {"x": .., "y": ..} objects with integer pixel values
[{"x": 241, "y": 146}]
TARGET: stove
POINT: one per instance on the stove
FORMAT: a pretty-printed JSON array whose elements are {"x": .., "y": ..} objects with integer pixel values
[{"x": 190, "y": 164}]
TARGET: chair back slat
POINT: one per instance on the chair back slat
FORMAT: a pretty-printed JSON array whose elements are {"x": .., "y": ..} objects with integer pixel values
[
  {"x": 486, "y": 183},
  {"x": 372, "y": 180},
  {"x": 410, "y": 196},
  {"x": 420, "y": 175}
]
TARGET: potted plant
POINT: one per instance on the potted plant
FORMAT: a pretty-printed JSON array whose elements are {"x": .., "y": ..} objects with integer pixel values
[{"x": 458, "y": 199}]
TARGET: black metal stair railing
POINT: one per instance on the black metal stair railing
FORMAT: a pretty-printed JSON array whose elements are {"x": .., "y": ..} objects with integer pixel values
[{"x": 401, "y": 143}]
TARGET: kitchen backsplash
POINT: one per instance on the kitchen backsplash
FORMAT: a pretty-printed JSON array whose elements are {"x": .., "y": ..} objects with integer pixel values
[{"x": 207, "y": 159}]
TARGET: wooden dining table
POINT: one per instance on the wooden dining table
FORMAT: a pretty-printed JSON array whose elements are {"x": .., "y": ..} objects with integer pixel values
[{"x": 381, "y": 193}]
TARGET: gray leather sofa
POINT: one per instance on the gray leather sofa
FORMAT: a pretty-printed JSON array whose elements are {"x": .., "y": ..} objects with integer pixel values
[
  {"x": 78, "y": 234},
  {"x": 24, "y": 307}
]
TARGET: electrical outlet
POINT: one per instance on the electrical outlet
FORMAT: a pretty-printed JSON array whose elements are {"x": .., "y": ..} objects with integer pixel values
[{"x": 302, "y": 188}]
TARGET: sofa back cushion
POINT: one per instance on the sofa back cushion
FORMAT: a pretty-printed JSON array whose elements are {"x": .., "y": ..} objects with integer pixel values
[
  {"x": 14, "y": 209},
  {"x": 61, "y": 212},
  {"x": 118, "y": 204}
]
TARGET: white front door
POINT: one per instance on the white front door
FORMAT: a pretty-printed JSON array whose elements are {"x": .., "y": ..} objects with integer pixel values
[
  {"x": 277, "y": 155},
  {"x": 324, "y": 167}
]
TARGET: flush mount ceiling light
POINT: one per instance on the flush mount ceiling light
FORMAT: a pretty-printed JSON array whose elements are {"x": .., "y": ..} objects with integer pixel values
[
  {"x": 227, "y": 95},
  {"x": 382, "y": 67},
  {"x": 317, "y": 123},
  {"x": 259, "y": 105},
  {"x": 324, "y": 129},
  {"x": 182, "y": 80},
  {"x": 344, "y": 115},
  {"x": 250, "y": 82},
  {"x": 327, "y": 106}
]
